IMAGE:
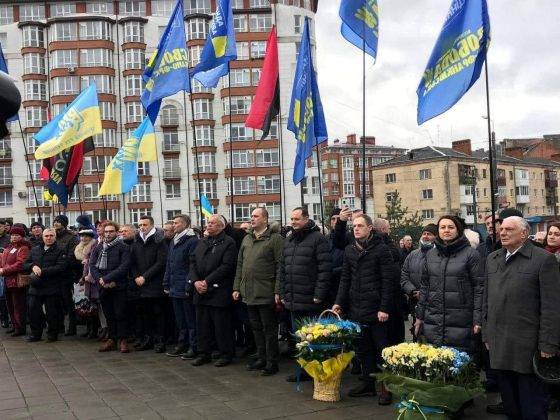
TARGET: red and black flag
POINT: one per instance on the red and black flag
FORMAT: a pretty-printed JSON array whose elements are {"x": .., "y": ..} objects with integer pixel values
[
  {"x": 62, "y": 170},
  {"x": 266, "y": 105}
]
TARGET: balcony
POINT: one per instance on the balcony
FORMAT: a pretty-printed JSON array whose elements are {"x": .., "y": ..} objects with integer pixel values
[
  {"x": 171, "y": 147},
  {"x": 551, "y": 200},
  {"x": 551, "y": 183},
  {"x": 174, "y": 173},
  {"x": 522, "y": 199}
]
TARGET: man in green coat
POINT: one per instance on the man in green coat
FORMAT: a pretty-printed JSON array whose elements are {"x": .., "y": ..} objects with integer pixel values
[{"x": 256, "y": 284}]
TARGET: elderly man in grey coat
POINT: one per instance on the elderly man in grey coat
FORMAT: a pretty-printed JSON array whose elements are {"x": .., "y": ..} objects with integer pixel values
[{"x": 521, "y": 317}]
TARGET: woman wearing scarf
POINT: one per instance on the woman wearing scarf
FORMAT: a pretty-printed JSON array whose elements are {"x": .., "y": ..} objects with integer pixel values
[
  {"x": 449, "y": 310},
  {"x": 108, "y": 265},
  {"x": 552, "y": 245},
  {"x": 366, "y": 295},
  {"x": 11, "y": 263},
  {"x": 91, "y": 288}
]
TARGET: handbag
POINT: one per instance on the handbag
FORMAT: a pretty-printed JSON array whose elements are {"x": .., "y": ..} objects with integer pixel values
[{"x": 23, "y": 280}]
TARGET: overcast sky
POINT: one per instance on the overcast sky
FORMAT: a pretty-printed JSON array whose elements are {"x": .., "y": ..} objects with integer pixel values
[{"x": 524, "y": 68}]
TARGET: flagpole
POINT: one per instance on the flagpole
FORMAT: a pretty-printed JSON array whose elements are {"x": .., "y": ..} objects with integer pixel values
[
  {"x": 185, "y": 117},
  {"x": 120, "y": 128},
  {"x": 364, "y": 116},
  {"x": 196, "y": 160},
  {"x": 30, "y": 173},
  {"x": 490, "y": 152},
  {"x": 232, "y": 192},
  {"x": 320, "y": 186},
  {"x": 159, "y": 184},
  {"x": 77, "y": 186},
  {"x": 99, "y": 176}
]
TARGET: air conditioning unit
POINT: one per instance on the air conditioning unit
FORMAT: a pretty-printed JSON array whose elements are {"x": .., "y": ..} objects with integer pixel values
[
  {"x": 72, "y": 70},
  {"x": 22, "y": 194}
]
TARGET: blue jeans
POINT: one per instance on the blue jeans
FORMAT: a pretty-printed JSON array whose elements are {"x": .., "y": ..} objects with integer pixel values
[{"x": 185, "y": 319}]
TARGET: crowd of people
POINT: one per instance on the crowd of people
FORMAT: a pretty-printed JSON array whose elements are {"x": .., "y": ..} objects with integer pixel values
[{"x": 199, "y": 295}]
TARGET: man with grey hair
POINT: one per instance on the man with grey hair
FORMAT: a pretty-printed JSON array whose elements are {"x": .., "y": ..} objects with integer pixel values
[{"x": 520, "y": 318}]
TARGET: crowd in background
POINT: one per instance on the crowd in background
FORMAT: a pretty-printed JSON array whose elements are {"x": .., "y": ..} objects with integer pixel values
[{"x": 223, "y": 292}]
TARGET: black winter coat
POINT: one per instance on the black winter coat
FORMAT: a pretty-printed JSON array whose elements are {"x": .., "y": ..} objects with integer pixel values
[
  {"x": 67, "y": 241},
  {"x": 451, "y": 294},
  {"x": 214, "y": 260},
  {"x": 411, "y": 272},
  {"x": 366, "y": 283},
  {"x": 53, "y": 264},
  {"x": 177, "y": 278},
  {"x": 147, "y": 259},
  {"x": 341, "y": 236},
  {"x": 306, "y": 269},
  {"x": 399, "y": 305},
  {"x": 118, "y": 263}
]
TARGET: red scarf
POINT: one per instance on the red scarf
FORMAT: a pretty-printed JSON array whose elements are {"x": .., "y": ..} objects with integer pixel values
[{"x": 552, "y": 249}]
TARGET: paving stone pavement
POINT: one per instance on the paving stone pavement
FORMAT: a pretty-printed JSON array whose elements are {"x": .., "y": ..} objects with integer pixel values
[{"x": 69, "y": 379}]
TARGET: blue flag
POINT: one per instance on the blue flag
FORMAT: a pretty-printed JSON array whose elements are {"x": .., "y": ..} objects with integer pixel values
[
  {"x": 219, "y": 49},
  {"x": 4, "y": 68},
  {"x": 457, "y": 58},
  {"x": 206, "y": 206},
  {"x": 360, "y": 20},
  {"x": 306, "y": 119},
  {"x": 168, "y": 69}
]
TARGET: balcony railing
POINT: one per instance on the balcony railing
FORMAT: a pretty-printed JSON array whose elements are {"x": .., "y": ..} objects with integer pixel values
[
  {"x": 170, "y": 147},
  {"x": 172, "y": 173}
]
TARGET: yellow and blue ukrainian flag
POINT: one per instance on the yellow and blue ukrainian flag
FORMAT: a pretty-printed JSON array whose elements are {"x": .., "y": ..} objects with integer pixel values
[
  {"x": 79, "y": 120},
  {"x": 306, "y": 119},
  {"x": 219, "y": 49},
  {"x": 456, "y": 60},
  {"x": 360, "y": 22},
  {"x": 4, "y": 68},
  {"x": 167, "y": 71},
  {"x": 122, "y": 173},
  {"x": 206, "y": 206}
]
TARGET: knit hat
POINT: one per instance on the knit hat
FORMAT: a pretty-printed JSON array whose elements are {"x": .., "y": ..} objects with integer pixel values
[
  {"x": 62, "y": 219},
  {"x": 431, "y": 228},
  {"x": 36, "y": 224},
  {"x": 88, "y": 232},
  {"x": 510, "y": 211},
  {"x": 16, "y": 230},
  {"x": 335, "y": 212}
]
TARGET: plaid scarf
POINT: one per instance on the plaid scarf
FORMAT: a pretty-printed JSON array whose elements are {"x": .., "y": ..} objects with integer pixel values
[{"x": 102, "y": 259}]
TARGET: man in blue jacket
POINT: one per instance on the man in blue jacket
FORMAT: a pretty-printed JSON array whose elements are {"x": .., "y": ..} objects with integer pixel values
[{"x": 177, "y": 285}]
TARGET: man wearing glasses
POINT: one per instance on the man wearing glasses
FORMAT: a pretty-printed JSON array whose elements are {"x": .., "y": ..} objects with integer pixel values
[{"x": 108, "y": 265}]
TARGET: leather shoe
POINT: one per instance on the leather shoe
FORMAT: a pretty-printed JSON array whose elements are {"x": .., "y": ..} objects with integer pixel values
[
  {"x": 201, "y": 360},
  {"x": 189, "y": 355},
  {"x": 108, "y": 345},
  {"x": 176, "y": 352},
  {"x": 123, "y": 347},
  {"x": 222, "y": 361},
  {"x": 366, "y": 388},
  {"x": 496, "y": 408},
  {"x": 269, "y": 370},
  {"x": 146, "y": 344},
  {"x": 32, "y": 339},
  {"x": 256, "y": 365}
]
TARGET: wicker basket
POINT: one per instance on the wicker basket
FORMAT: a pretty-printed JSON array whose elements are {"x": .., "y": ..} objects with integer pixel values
[{"x": 327, "y": 390}]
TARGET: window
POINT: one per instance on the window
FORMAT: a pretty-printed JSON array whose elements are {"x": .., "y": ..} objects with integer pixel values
[
  {"x": 272, "y": 134},
  {"x": 103, "y": 82},
  {"x": 64, "y": 59},
  {"x": 35, "y": 90},
  {"x": 97, "y": 30},
  {"x": 134, "y": 112},
  {"x": 169, "y": 115},
  {"x": 240, "y": 23},
  {"x": 316, "y": 213},
  {"x": 62, "y": 9},
  {"x": 237, "y": 4},
  {"x": 5, "y": 175},
  {"x": 140, "y": 193},
  {"x": 298, "y": 24},
  {"x": 269, "y": 184},
  {"x": 238, "y": 132},
  {"x": 258, "y": 49},
  {"x": 143, "y": 168},
  {"x": 242, "y": 211},
  {"x": 194, "y": 55},
  {"x": 132, "y": 8},
  {"x": 99, "y": 7},
  {"x": 171, "y": 168},
  {"x": 267, "y": 157},
  {"x": 428, "y": 214},
  {"x": 96, "y": 57},
  {"x": 297, "y": 45},
  {"x": 58, "y": 108},
  {"x": 67, "y": 85},
  {"x": 260, "y": 23},
  {"x": 133, "y": 32},
  {"x": 522, "y": 190},
  {"x": 95, "y": 164},
  {"x": 197, "y": 29},
  {"x": 255, "y": 76},
  {"x": 427, "y": 194},
  {"x": 134, "y": 59},
  {"x": 315, "y": 185},
  {"x": 172, "y": 214},
  {"x": 171, "y": 141},
  {"x": 135, "y": 214},
  {"x": 33, "y": 36},
  {"x": 239, "y": 105},
  {"x": 107, "y": 110},
  {"x": 206, "y": 162},
  {"x": 197, "y": 6},
  {"x": 242, "y": 185},
  {"x": 172, "y": 190},
  {"x": 6, "y": 198},
  {"x": 239, "y": 77},
  {"x": 241, "y": 159},
  {"x": 63, "y": 31},
  {"x": 510, "y": 175},
  {"x": 33, "y": 63},
  {"x": 133, "y": 85},
  {"x": 197, "y": 87},
  {"x": 242, "y": 50},
  {"x": 208, "y": 188},
  {"x": 36, "y": 116},
  {"x": 108, "y": 138},
  {"x": 425, "y": 174},
  {"x": 259, "y": 3},
  {"x": 484, "y": 173},
  {"x": 204, "y": 135},
  {"x": 6, "y": 15},
  {"x": 31, "y": 12},
  {"x": 390, "y": 178},
  {"x": 162, "y": 7},
  {"x": 203, "y": 109}
]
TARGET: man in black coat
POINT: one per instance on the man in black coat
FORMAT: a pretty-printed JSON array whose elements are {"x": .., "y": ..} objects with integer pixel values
[
  {"x": 212, "y": 272},
  {"x": 148, "y": 255},
  {"x": 47, "y": 264},
  {"x": 108, "y": 265}
]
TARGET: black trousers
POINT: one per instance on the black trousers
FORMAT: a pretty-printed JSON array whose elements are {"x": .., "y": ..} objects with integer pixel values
[
  {"x": 373, "y": 339},
  {"x": 185, "y": 318},
  {"x": 265, "y": 330},
  {"x": 113, "y": 302},
  {"x": 242, "y": 325},
  {"x": 54, "y": 316},
  {"x": 4, "y": 315},
  {"x": 68, "y": 303},
  {"x": 150, "y": 314},
  {"x": 524, "y": 396},
  {"x": 213, "y": 325}
]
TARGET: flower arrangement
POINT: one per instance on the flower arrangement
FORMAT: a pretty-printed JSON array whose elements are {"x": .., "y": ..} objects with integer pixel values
[
  {"x": 324, "y": 351},
  {"x": 433, "y": 382}
]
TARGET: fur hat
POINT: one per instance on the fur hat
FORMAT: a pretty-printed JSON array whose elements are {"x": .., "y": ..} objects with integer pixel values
[
  {"x": 62, "y": 219},
  {"x": 16, "y": 230}
]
